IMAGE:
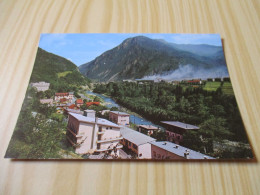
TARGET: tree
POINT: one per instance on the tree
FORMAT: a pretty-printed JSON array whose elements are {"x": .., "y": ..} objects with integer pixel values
[
  {"x": 114, "y": 109},
  {"x": 97, "y": 99},
  {"x": 49, "y": 93}
]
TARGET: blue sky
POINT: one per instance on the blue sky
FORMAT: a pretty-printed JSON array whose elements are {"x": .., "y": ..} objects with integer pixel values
[{"x": 82, "y": 48}]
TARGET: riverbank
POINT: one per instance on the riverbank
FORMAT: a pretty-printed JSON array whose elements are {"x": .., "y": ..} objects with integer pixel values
[{"x": 135, "y": 118}]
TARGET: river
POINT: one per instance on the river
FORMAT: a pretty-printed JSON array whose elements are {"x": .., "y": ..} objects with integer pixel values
[{"x": 133, "y": 118}]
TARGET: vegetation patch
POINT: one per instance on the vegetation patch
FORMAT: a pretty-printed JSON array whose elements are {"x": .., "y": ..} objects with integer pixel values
[{"x": 63, "y": 74}]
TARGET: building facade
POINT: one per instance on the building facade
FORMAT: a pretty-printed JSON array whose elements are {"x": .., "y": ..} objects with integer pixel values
[
  {"x": 147, "y": 129},
  {"x": 174, "y": 130},
  {"x": 46, "y": 101},
  {"x": 68, "y": 95},
  {"x": 79, "y": 102},
  {"x": 120, "y": 118},
  {"x": 41, "y": 86},
  {"x": 137, "y": 143},
  {"x": 93, "y": 135},
  {"x": 170, "y": 151}
]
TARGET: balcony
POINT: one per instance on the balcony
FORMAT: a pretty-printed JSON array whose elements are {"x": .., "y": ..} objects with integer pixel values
[
  {"x": 109, "y": 140},
  {"x": 106, "y": 149},
  {"x": 74, "y": 134},
  {"x": 101, "y": 132}
]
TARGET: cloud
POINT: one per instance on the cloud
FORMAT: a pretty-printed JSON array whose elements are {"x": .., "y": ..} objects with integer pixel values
[
  {"x": 51, "y": 40},
  {"x": 196, "y": 39},
  {"x": 156, "y": 36},
  {"x": 189, "y": 71}
]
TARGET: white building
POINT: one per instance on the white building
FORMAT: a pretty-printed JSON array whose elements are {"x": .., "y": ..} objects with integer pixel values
[
  {"x": 120, "y": 118},
  {"x": 46, "y": 101},
  {"x": 137, "y": 142},
  {"x": 68, "y": 95},
  {"x": 41, "y": 86},
  {"x": 93, "y": 135}
]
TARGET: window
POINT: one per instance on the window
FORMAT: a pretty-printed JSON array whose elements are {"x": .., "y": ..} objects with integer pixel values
[
  {"x": 154, "y": 154},
  {"x": 135, "y": 146},
  {"x": 140, "y": 155},
  {"x": 178, "y": 137},
  {"x": 110, "y": 127},
  {"x": 106, "y": 127}
]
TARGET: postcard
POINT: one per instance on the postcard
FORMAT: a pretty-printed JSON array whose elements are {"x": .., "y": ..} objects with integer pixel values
[{"x": 130, "y": 97}]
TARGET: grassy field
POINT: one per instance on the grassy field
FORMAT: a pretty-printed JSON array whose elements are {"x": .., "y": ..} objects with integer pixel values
[
  {"x": 227, "y": 88},
  {"x": 63, "y": 74},
  {"x": 212, "y": 86}
]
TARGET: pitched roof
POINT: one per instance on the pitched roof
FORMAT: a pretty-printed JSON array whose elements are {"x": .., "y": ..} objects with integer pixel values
[
  {"x": 72, "y": 106},
  {"x": 75, "y": 111},
  {"x": 194, "y": 81},
  {"x": 149, "y": 127},
  {"x": 180, "y": 150},
  {"x": 79, "y": 101},
  {"x": 61, "y": 94},
  {"x": 120, "y": 113},
  {"x": 92, "y": 103},
  {"x": 179, "y": 124},
  {"x": 91, "y": 120},
  {"x": 63, "y": 99},
  {"x": 135, "y": 136}
]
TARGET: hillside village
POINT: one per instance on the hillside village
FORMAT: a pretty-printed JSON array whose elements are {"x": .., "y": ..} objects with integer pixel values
[{"x": 98, "y": 138}]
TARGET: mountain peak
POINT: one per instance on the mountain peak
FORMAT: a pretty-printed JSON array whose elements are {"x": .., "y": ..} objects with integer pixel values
[{"x": 140, "y": 56}]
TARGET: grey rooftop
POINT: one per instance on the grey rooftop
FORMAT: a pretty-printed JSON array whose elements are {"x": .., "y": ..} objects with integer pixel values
[
  {"x": 135, "y": 137},
  {"x": 180, "y": 150},
  {"x": 100, "y": 121},
  {"x": 120, "y": 113},
  {"x": 149, "y": 127},
  {"x": 180, "y": 124}
]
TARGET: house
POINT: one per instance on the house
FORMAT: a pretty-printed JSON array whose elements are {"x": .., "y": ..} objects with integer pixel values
[
  {"x": 79, "y": 102},
  {"x": 92, "y": 103},
  {"x": 73, "y": 106},
  {"x": 90, "y": 134},
  {"x": 147, "y": 129},
  {"x": 175, "y": 82},
  {"x": 63, "y": 100},
  {"x": 46, "y": 101},
  {"x": 195, "y": 82},
  {"x": 138, "y": 143},
  {"x": 120, "y": 118},
  {"x": 169, "y": 150},
  {"x": 60, "y": 96},
  {"x": 90, "y": 113},
  {"x": 175, "y": 130},
  {"x": 41, "y": 86}
]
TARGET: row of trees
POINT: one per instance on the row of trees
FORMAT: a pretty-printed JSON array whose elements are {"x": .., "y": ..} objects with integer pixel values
[{"x": 215, "y": 113}]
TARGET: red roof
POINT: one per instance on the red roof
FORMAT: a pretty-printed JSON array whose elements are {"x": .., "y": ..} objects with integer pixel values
[
  {"x": 61, "y": 94},
  {"x": 79, "y": 101},
  {"x": 63, "y": 99},
  {"x": 194, "y": 81},
  {"x": 92, "y": 103},
  {"x": 72, "y": 106}
]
